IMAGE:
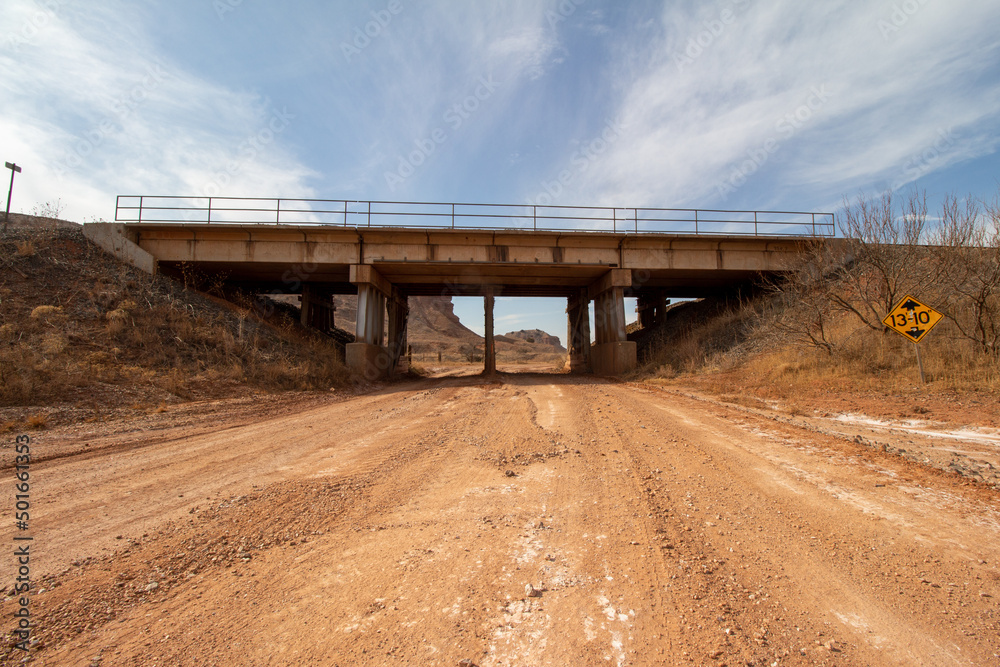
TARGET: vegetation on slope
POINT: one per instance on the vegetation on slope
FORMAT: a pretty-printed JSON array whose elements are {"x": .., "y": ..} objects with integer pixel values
[
  {"x": 78, "y": 327},
  {"x": 821, "y": 327}
]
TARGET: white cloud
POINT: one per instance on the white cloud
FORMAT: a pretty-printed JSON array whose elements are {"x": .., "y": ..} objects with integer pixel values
[
  {"x": 720, "y": 87},
  {"x": 90, "y": 115}
]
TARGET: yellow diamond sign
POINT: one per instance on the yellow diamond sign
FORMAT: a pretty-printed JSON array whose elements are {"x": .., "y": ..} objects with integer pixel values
[{"x": 912, "y": 319}]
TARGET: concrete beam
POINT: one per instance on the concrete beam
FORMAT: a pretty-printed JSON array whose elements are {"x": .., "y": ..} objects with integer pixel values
[
  {"x": 613, "y": 278},
  {"x": 367, "y": 274}
]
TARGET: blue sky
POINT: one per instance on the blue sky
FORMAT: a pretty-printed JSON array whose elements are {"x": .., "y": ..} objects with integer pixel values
[{"x": 746, "y": 104}]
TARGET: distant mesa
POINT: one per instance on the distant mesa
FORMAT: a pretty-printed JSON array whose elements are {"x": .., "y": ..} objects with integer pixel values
[{"x": 535, "y": 336}]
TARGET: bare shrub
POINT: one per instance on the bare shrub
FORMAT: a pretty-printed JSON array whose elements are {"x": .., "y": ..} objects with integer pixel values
[
  {"x": 966, "y": 248},
  {"x": 885, "y": 259}
]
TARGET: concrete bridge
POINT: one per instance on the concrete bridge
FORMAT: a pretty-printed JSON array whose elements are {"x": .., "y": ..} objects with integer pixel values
[{"x": 386, "y": 252}]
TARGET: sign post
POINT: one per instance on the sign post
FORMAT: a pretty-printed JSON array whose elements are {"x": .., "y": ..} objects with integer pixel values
[
  {"x": 912, "y": 320},
  {"x": 14, "y": 169}
]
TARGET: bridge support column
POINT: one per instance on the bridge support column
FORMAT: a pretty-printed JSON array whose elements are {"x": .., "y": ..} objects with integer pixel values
[
  {"x": 317, "y": 308},
  {"x": 366, "y": 355},
  {"x": 613, "y": 353},
  {"x": 578, "y": 333},
  {"x": 651, "y": 308},
  {"x": 489, "y": 349},
  {"x": 399, "y": 310}
]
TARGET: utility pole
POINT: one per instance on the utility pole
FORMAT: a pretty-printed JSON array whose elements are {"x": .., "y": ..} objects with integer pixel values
[{"x": 14, "y": 169}]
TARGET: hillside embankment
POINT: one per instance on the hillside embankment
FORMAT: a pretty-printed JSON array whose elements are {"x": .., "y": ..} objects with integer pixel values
[{"x": 84, "y": 337}]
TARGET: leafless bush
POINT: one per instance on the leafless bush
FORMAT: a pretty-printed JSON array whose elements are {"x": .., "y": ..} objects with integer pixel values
[
  {"x": 885, "y": 259},
  {"x": 808, "y": 297},
  {"x": 966, "y": 249}
]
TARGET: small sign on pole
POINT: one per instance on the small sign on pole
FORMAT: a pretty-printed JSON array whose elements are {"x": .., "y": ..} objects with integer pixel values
[
  {"x": 14, "y": 169},
  {"x": 912, "y": 320}
]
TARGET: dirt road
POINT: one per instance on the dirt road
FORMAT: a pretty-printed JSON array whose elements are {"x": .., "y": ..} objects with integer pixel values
[{"x": 529, "y": 520}]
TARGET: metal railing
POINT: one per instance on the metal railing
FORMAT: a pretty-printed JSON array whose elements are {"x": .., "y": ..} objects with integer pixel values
[{"x": 429, "y": 215}]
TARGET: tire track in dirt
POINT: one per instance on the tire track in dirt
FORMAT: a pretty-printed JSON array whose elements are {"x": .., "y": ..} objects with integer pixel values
[
  {"x": 404, "y": 527},
  {"x": 830, "y": 543}
]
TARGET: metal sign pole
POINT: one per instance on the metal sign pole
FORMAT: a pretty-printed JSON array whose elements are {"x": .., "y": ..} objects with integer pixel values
[
  {"x": 14, "y": 169},
  {"x": 920, "y": 364}
]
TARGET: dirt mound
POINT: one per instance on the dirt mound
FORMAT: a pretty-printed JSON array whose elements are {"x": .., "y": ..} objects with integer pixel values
[{"x": 83, "y": 335}]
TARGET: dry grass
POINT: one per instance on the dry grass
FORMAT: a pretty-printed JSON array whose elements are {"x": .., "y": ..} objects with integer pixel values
[
  {"x": 81, "y": 326},
  {"x": 37, "y": 421},
  {"x": 25, "y": 249},
  {"x": 738, "y": 352}
]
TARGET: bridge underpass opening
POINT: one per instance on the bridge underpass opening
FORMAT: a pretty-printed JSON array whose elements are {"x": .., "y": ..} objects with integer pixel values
[{"x": 529, "y": 332}]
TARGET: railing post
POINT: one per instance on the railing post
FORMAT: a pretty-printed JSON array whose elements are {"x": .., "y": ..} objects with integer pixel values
[
  {"x": 277, "y": 214},
  {"x": 209, "y": 210},
  {"x": 814, "y": 224},
  {"x": 345, "y": 213},
  {"x": 755, "y": 223},
  {"x": 635, "y": 216},
  {"x": 614, "y": 219},
  {"x": 369, "y": 213},
  {"x": 696, "y": 222},
  {"x": 453, "y": 216},
  {"x": 534, "y": 218},
  {"x": 140, "y": 210}
]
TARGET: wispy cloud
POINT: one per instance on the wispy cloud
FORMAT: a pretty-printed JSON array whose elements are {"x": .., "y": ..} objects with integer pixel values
[
  {"x": 695, "y": 115},
  {"x": 93, "y": 109}
]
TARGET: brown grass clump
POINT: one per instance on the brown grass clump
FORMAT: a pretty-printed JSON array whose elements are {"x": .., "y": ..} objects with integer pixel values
[{"x": 48, "y": 313}]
